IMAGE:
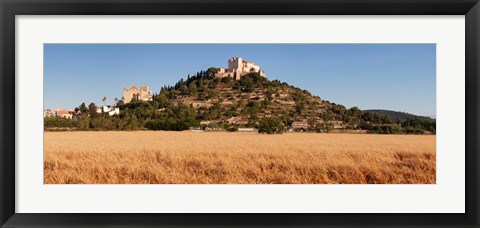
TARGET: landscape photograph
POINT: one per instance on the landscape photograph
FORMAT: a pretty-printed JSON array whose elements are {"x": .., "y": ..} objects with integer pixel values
[{"x": 239, "y": 114}]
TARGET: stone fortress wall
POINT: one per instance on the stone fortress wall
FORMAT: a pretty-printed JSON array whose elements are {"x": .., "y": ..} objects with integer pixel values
[{"x": 237, "y": 68}]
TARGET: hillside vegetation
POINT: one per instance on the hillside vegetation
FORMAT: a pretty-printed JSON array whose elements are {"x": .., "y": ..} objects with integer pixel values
[
  {"x": 204, "y": 102},
  {"x": 400, "y": 116}
]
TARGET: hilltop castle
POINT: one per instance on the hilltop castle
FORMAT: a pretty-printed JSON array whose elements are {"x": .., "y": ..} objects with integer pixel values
[
  {"x": 139, "y": 94},
  {"x": 237, "y": 68}
]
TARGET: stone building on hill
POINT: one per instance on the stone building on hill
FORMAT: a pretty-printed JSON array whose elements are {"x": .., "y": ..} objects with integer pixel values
[
  {"x": 300, "y": 125},
  {"x": 139, "y": 94},
  {"x": 238, "y": 67}
]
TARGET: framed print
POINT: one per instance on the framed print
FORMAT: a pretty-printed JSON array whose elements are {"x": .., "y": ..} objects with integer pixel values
[{"x": 256, "y": 113}]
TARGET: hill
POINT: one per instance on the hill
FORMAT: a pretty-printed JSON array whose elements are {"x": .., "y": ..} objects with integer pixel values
[
  {"x": 399, "y": 116},
  {"x": 203, "y": 101},
  {"x": 252, "y": 101}
]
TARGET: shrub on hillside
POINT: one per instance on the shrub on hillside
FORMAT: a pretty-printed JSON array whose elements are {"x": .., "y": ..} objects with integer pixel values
[
  {"x": 171, "y": 124},
  {"x": 271, "y": 126}
]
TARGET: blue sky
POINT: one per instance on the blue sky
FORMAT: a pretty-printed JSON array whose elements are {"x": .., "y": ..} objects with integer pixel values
[{"x": 399, "y": 77}]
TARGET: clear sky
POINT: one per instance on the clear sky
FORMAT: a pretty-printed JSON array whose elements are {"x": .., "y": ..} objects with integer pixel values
[{"x": 399, "y": 77}]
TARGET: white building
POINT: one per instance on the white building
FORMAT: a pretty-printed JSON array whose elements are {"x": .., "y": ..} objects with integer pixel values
[
  {"x": 108, "y": 109},
  {"x": 49, "y": 113},
  {"x": 246, "y": 129}
]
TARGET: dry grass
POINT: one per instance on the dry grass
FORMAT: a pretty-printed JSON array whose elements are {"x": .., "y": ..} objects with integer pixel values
[{"x": 147, "y": 157}]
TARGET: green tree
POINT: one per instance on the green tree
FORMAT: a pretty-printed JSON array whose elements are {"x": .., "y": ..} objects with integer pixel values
[
  {"x": 92, "y": 110},
  {"x": 83, "y": 108},
  {"x": 162, "y": 100},
  {"x": 184, "y": 90},
  {"x": 226, "y": 80},
  {"x": 212, "y": 70},
  {"x": 247, "y": 84},
  {"x": 212, "y": 94},
  {"x": 271, "y": 126},
  {"x": 135, "y": 97},
  {"x": 193, "y": 89},
  {"x": 299, "y": 108}
]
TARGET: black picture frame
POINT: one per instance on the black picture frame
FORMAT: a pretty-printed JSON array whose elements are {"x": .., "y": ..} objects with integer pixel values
[{"x": 10, "y": 8}]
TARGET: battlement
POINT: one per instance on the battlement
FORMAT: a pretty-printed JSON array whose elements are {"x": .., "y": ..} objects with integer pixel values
[{"x": 237, "y": 68}]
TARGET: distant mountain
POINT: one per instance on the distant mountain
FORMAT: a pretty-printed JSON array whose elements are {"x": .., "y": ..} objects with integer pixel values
[{"x": 399, "y": 116}]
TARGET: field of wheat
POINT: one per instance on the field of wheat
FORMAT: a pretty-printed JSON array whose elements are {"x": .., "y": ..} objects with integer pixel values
[{"x": 156, "y": 157}]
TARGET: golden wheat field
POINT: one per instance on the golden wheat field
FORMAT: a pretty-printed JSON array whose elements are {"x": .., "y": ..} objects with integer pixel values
[{"x": 157, "y": 157}]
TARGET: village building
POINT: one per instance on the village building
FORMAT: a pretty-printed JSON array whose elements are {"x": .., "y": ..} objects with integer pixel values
[
  {"x": 247, "y": 129},
  {"x": 49, "y": 113},
  {"x": 109, "y": 109},
  {"x": 214, "y": 129},
  {"x": 140, "y": 94},
  {"x": 196, "y": 129},
  {"x": 300, "y": 125},
  {"x": 64, "y": 113},
  {"x": 207, "y": 122},
  {"x": 237, "y": 68}
]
